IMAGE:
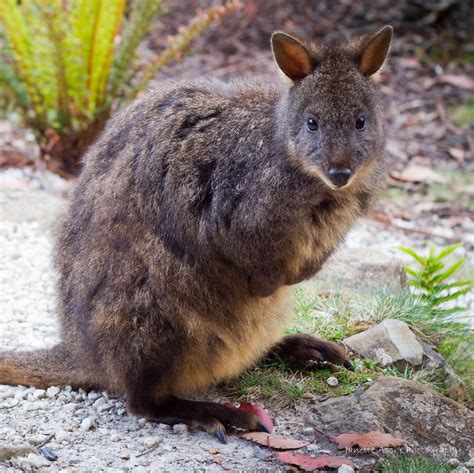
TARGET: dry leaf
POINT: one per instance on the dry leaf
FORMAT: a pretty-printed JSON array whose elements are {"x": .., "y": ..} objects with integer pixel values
[
  {"x": 212, "y": 450},
  {"x": 308, "y": 463},
  {"x": 367, "y": 440},
  {"x": 274, "y": 441},
  {"x": 457, "y": 80},
  {"x": 417, "y": 173}
]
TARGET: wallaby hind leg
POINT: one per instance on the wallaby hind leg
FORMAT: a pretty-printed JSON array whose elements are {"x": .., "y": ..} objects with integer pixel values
[
  {"x": 43, "y": 368},
  {"x": 210, "y": 416},
  {"x": 305, "y": 347}
]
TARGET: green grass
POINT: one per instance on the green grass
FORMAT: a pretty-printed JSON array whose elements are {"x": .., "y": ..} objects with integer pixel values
[
  {"x": 410, "y": 463},
  {"x": 282, "y": 384}
]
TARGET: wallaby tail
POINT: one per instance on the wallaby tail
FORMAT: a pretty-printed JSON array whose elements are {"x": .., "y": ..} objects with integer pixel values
[{"x": 43, "y": 368}]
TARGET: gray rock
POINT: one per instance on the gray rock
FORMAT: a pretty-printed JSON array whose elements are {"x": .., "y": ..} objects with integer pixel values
[
  {"x": 429, "y": 422},
  {"x": 389, "y": 342},
  {"x": 351, "y": 268}
]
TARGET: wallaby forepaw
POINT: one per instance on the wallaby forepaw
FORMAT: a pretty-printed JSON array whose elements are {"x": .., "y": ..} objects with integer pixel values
[{"x": 306, "y": 347}]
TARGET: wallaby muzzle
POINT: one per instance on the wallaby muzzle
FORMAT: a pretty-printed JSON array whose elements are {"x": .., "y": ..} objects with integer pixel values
[{"x": 339, "y": 176}]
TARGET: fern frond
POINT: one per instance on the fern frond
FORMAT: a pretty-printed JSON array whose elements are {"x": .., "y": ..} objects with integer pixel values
[
  {"x": 106, "y": 24},
  {"x": 181, "y": 42},
  {"x": 134, "y": 31}
]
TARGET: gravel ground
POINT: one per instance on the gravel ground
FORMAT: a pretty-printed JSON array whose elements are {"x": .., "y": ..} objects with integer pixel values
[{"x": 89, "y": 431}]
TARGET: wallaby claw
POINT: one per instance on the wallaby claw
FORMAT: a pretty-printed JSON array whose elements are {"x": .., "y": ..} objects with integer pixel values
[
  {"x": 220, "y": 434},
  {"x": 261, "y": 427},
  {"x": 348, "y": 365}
]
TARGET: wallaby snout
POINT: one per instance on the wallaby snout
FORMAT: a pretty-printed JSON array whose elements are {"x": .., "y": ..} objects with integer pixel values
[{"x": 339, "y": 176}]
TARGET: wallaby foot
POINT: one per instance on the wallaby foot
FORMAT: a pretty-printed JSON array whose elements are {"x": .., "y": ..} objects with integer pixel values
[
  {"x": 212, "y": 417},
  {"x": 304, "y": 347}
]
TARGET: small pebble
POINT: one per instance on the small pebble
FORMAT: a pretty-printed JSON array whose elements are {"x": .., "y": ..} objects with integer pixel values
[
  {"x": 180, "y": 428},
  {"x": 62, "y": 436},
  {"x": 124, "y": 455},
  {"x": 332, "y": 381},
  {"x": 142, "y": 421},
  {"x": 87, "y": 424},
  {"x": 114, "y": 437},
  {"x": 35, "y": 460},
  {"x": 93, "y": 396},
  {"x": 453, "y": 462},
  {"x": 36, "y": 439},
  {"x": 151, "y": 442},
  {"x": 461, "y": 469},
  {"x": 345, "y": 469},
  {"x": 39, "y": 394},
  {"x": 48, "y": 453},
  {"x": 52, "y": 391}
]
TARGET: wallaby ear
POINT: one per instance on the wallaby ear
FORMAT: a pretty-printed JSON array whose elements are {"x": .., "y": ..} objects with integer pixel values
[
  {"x": 291, "y": 56},
  {"x": 375, "y": 51}
]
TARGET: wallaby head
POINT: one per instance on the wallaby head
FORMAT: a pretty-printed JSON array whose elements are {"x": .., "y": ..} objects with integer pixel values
[{"x": 330, "y": 116}]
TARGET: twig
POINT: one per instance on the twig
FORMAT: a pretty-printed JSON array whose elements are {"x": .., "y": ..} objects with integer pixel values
[
  {"x": 146, "y": 452},
  {"x": 44, "y": 442},
  {"x": 386, "y": 221}
]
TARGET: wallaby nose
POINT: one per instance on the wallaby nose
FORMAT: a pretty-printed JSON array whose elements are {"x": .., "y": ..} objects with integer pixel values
[{"x": 339, "y": 176}]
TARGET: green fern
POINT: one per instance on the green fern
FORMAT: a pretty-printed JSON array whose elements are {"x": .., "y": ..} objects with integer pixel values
[
  {"x": 66, "y": 64},
  {"x": 432, "y": 280}
]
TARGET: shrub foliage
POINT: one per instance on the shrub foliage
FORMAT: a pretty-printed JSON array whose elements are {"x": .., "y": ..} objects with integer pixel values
[{"x": 66, "y": 65}]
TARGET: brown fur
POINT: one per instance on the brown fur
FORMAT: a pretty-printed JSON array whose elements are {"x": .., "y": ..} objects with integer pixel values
[{"x": 196, "y": 210}]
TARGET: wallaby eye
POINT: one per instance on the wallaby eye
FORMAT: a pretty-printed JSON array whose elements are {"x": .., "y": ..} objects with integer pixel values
[
  {"x": 360, "y": 123},
  {"x": 311, "y": 124}
]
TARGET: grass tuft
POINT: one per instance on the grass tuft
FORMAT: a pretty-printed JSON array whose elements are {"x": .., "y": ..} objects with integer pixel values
[{"x": 410, "y": 463}]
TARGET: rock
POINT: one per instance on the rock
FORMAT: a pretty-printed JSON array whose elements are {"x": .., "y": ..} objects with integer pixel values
[
  {"x": 62, "y": 436},
  {"x": 36, "y": 439},
  {"x": 453, "y": 462},
  {"x": 308, "y": 431},
  {"x": 39, "y": 394},
  {"x": 93, "y": 395},
  {"x": 332, "y": 381},
  {"x": 389, "y": 342},
  {"x": 461, "y": 469},
  {"x": 151, "y": 442},
  {"x": 469, "y": 463},
  {"x": 87, "y": 424},
  {"x": 53, "y": 391},
  {"x": 8, "y": 452},
  {"x": 345, "y": 469},
  {"x": 142, "y": 421},
  {"x": 433, "y": 359},
  {"x": 356, "y": 268},
  {"x": 114, "y": 437},
  {"x": 180, "y": 428},
  {"x": 124, "y": 455},
  {"x": 35, "y": 460},
  {"x": 425, "y": 419}
]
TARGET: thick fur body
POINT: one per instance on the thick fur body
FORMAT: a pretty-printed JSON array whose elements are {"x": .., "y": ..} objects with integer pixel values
[
  {"x": 177, "y": 248},
  {"x": 196, "y": 210}
]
